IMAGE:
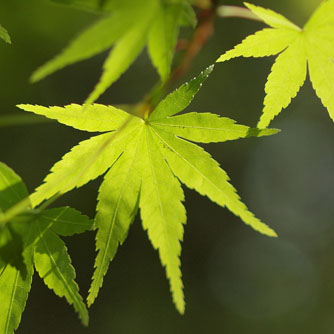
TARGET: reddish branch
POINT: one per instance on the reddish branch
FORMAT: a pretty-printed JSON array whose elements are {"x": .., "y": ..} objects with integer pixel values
[{"x": 202, "y": 34}]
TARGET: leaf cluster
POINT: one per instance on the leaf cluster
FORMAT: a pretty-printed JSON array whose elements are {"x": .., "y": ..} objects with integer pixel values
[
  {"x": 144, "y": 157},
  {"x": 129, "y": 27},
  {"x": 31, "y": 241}
]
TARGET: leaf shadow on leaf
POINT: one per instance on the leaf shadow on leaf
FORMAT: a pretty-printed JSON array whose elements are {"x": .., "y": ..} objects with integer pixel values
[
  {"x": 8, "y": 194},
  {"x": 11, "y": 252},
  {"x": 255, "y": 132},
  {"x": 252, "y": 132}
]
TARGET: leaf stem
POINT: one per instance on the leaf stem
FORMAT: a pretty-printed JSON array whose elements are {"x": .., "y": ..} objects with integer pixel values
[{"x": 235, "y": 11}]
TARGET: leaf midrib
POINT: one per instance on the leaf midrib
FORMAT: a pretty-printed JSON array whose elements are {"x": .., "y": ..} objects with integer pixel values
[
  {"x": 11, "y": 302},
  {"x": 158, "y": 192},
  {"x": 67, "y": 286},
  {"x": 197, "y": 127},
  {"x": 116, "y": 210}
]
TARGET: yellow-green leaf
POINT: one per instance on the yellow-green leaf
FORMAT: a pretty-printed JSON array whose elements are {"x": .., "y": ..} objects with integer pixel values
[
  {"x": 147, "y": 162},
  {"x": 272, "y": 18},
  {"x": 313, "y": 46}
]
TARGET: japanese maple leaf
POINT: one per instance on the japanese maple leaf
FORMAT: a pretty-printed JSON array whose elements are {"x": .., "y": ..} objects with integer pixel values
[
  {"x": 130, "y": 25},
  {"x": 311, "y": 46},
  {"x": 146, "y": 160},
  {"x": 31, "y": 241}
]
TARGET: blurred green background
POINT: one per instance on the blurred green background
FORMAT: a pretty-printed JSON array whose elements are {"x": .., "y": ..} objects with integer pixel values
[{"x": 236, "y": 280}]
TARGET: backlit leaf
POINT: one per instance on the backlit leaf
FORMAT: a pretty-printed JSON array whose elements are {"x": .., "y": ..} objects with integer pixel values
[
  {"x": 147, "y": 162},
  {"x": 311, "y": 46}
]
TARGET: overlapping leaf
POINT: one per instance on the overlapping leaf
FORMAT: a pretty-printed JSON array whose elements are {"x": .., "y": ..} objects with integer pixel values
[
  {"x": 131, "y": 26},
  {"x": 147, "y": 159},
  {"x": 32, "y": 241},
  {"x": 297, "y": 48}
]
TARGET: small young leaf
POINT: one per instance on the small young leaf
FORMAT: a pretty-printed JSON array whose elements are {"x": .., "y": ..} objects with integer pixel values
[
  {"x": 180, "y": 98},
  {"x": 313, "y": 46}
]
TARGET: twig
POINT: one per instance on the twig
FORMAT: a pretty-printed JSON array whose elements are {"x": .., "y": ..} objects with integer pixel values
[{"x": 234, "y": 11}]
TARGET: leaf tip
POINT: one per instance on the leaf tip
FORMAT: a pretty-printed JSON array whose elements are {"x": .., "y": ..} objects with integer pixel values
[
  {"x": 266, "y": 230},
  {"x": 25, "y": 107},
  {"x": 90, "y": 300},
  {"x": 180, "y": 306},
  {"x": 271, "y": 233},
  {"x": 208, "y": 70},
  {"x": 250, "y": 6},
  {"x": 35, "y": 77},
  {"x": 85, "y": 321},
  {"x": 222, "y": 58},
  {"x": 247, "y": 4}
]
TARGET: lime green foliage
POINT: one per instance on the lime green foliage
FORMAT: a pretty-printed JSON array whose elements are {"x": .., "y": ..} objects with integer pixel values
[
  {"x": 29, "y": 241},
  {"x": 147, "y": 160},
  {"x": 297, "y": 48},
  {"x": 131, "y": 26},
  {"x": 162, "y": 37},
  {"x": 14, "y": 283},
  {"x": 4, "y": 35}
]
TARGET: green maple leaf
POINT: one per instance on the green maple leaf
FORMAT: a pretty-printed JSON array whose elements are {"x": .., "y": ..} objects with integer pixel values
[
  {"x": 4, "y": 35},
  {"x": 298, "y": 49},
  {"x": 31, "y": 240},
  {"x": 132, "y": 25},
  {"x": 146, "y": 161}
]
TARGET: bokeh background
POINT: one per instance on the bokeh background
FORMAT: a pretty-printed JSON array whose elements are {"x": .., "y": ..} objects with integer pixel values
[{"x": 236, "y": 280}]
